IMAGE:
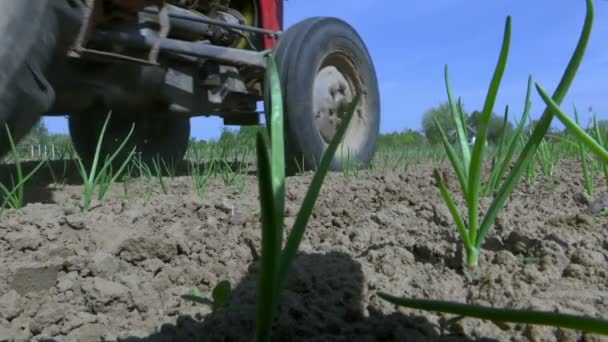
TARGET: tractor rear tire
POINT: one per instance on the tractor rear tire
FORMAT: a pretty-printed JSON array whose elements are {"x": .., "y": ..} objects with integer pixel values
[
  {"x": 160, "y": 138},
  {"x": 35, "y": 33}
]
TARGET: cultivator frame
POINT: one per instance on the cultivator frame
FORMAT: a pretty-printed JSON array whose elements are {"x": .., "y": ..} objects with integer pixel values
[{"x": 157, "y": 41}]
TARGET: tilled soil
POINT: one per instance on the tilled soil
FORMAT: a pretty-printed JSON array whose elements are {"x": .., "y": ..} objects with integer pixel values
[{"x": 117, "y": 273}]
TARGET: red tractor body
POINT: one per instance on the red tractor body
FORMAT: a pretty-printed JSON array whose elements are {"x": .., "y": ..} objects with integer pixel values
[{"x": 271, "y": 17}]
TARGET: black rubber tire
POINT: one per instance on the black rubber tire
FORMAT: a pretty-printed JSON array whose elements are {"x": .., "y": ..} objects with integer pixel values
[
  {"x": 35, "y": 33},
  {"x": 300, "y": 53},
  {"x": 165, "y": 138}
]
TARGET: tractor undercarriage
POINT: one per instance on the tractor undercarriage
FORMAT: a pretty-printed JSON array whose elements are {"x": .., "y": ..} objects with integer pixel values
[{"x": 191, "y": 57}]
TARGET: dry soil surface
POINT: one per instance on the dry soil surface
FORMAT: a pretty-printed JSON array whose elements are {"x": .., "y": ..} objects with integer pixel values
[{"x": 117, "y": 273}]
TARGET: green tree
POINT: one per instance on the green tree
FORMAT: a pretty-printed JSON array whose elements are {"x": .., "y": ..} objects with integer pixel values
[
  {"x": 495, "y": 128},
  {"x": 396, "y": 139},
  {"x": 39, "y": 134},
  {"x": 246, "y": 135},
  {"x": 443, "y": 115},
  {"x": 227, "y": 139}
]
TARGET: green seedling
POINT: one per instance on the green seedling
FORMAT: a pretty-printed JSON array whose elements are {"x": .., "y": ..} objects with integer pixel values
[
  {"x": 14, "y": 198},
  {"x": 474, "y": 238},
  {"x": 201, "y": 180},
  {"x": 220, "y": 296},
  {"x": 52, "y": 172},
  {"x": 156, "y": 163},
  {"x": 127, "y": 177},
  {"x": 508, "y": 146},
  {"x": 232, "y": 177},
  {"x": 170, "y": 168},
  {"x": 400, "y": 161},
  {"x": 105, "y": 181},
  {"x": 146, "y": 177},
  {"x": 546, "y": 156},
  {"x": 300, "y": 166},
  {"x": 275, "y": 259},
  {"x": 600, "y": 138},
  {"x": 468, "y": 167},
  {"x": 581, "y": 323},
  {"x": 93, "y": 177},
  {"x": 351, "y": 166},
  {"x": 587, "y": 169},
  {"x": 572, "y": 126},
  {"x": 59, "y": 180},
  {"x": 144, "y": 170}
]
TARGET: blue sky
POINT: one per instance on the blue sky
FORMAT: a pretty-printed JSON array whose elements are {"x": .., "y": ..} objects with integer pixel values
[{"x": 411, "y": 41}]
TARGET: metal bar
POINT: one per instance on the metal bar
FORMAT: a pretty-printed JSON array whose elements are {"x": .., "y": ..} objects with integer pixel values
[
  {"x": 185, "y": 15},
  {"x": 148, "y": 38},
  {"x": 91, "y": 53},
  {"x": 88, "y": 7}
]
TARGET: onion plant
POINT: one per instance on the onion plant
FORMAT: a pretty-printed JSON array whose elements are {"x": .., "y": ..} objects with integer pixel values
[
  {"x": 96, "y": 174},
  {"x": 400, "y": 161},
  {"x": 546, "y": 156},
  {"x": 469, "y": 181},
  {"x": 468, "y": 165},
  {"x": 588, "y": 324},
  {"x": 219, "y": 296},
  {"x": 58, "y": 180},
  {"x": 600, "y": 137},
  {"x": 573, "y": 127},
  {"x": 233, "y": 177},
  {"x": 170, "y": 167},
  {"x": 127, "y": 176},
  {"x": 201, "y": 179},
  {"x": 104, "y": 183},
  {"x": 350, "y": 165},
  {"x": 276, "y": 259},
  {"x": 588, "y": 172},
  {"x": 507, "y": 146},
  {"x": 14, "y": 197},
  {"x": 156, "y": 163},
  {"x": 146, "y": 176}
]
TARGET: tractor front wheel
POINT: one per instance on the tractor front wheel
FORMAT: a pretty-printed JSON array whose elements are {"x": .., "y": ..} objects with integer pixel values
[{"x": 323, "y": 64}]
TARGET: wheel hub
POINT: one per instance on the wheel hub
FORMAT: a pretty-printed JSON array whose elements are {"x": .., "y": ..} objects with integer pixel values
[{"x": 334, "y": 90}]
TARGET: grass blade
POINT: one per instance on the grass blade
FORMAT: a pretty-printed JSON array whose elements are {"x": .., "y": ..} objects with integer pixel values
[
  {"x": 482, "y": 133},
  {"x": 498, "y": 158},
  {"x": 573, "y": 127},
  {"x": 277, "y": 166},
  {"x": 453, "y": 210},
  {"x": 458, "y": 165},
  {"x": 10, "y": 195},
  {"x": 515, "y": 139},
  {"x": 600, "y": 139},
  {"x": 267, "y": 276},
  {"x": 588, "y": 324},
  {"x": 587, "y": 174},
  {"x": 460, "y": 125}
]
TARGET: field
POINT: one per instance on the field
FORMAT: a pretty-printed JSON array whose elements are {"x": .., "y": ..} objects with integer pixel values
[{"x": 120, "y": 269}]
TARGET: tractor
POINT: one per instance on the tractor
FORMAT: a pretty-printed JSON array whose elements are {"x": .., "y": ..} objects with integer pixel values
[{"x": 154, "y": 64}]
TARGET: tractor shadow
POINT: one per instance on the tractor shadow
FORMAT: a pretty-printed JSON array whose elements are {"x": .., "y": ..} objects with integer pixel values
[
  {"x": 51, "y": 176},
  {"x": 321, "y": 302}
]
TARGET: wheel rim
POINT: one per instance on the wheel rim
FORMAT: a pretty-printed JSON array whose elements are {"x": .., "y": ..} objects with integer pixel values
[{"x": 335, "y": 87}]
